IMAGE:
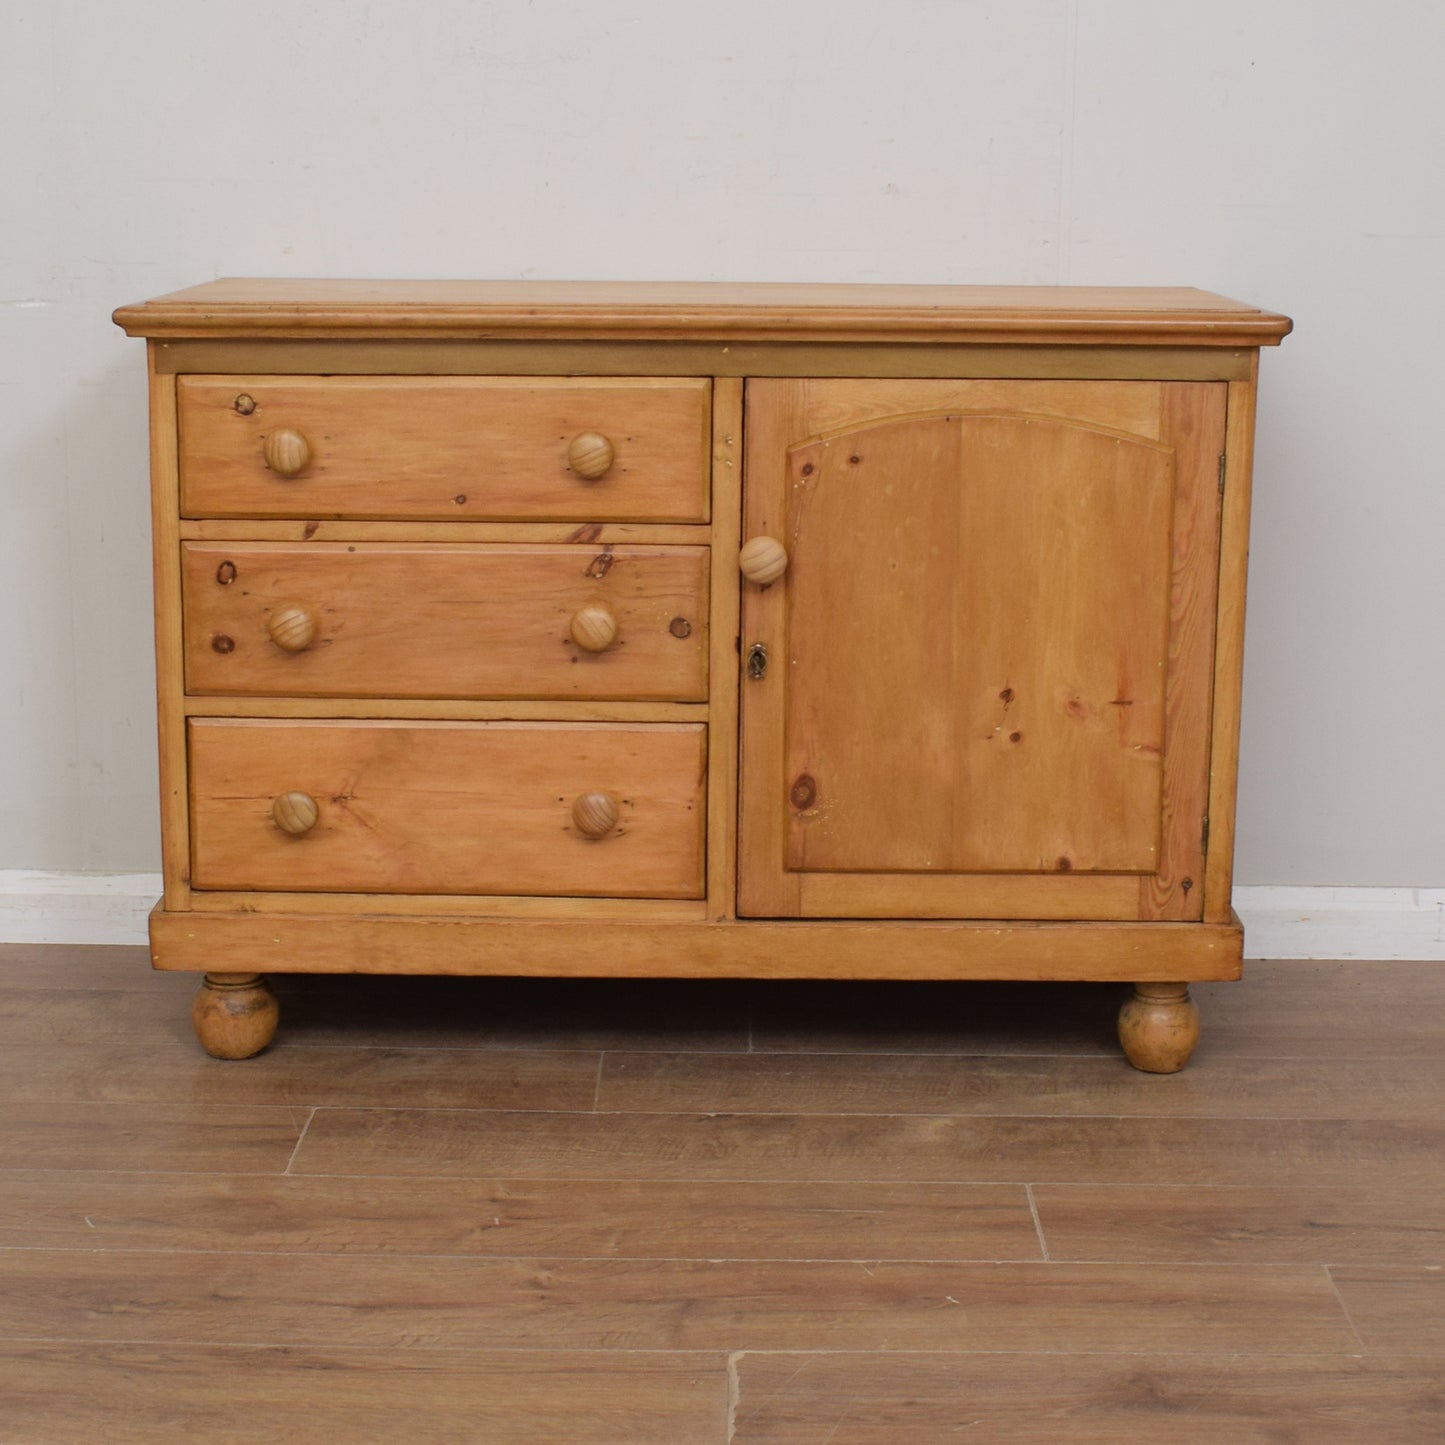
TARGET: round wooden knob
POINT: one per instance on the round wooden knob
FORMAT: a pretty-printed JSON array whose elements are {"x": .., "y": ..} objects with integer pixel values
[
  {"x": 286, "y": 451},
  {"x": 292, "y": 628},
  {"x": 594, "y": 815},
  {"x": 295, "y": 813},
  {"x": 590, "y": 455},
  {"x": 763, "y": 560},
  {"x": 593, "y": 627}
]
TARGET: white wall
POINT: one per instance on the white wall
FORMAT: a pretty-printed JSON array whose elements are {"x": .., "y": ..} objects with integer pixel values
[{"x": 1288, "y": 152}]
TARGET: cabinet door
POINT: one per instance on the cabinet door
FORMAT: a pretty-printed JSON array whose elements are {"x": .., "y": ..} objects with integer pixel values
[{"x": 988, "y": 675}]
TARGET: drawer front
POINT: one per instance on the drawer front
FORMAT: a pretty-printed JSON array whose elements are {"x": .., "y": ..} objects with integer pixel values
[
  {"x": 433, "y": 620},
  {"x": 456, "y": 448},
  {"x": 480, "y": 808}
]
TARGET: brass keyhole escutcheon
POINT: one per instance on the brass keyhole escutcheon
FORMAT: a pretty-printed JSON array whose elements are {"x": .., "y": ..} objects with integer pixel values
[{"x": 757, "y": 661}]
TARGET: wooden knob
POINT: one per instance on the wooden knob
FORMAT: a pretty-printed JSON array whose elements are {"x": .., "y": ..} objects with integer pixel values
[
  {"x": 295, "y": 813},
  {"x": 590, "y": 455},
  {"x": 292, "y": 628},
  {"x": 593, "y": 627},
  {"x": 763, "y": 560},
  {"x": 286, "y": 451},
  {"x": 594, "y": 815}
]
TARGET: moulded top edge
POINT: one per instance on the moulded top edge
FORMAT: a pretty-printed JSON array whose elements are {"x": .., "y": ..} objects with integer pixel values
[{"x": 694, "y": 311}]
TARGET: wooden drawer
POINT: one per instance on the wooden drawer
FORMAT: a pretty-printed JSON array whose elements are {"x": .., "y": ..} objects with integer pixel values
[
  {"x": 433, "y": 620},
  {"x": 459, "y": 448},
  {"x": 481, "y": 808}
]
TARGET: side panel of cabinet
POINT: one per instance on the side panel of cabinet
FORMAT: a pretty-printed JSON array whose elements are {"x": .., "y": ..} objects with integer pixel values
[{"x": 988, "y": 689}]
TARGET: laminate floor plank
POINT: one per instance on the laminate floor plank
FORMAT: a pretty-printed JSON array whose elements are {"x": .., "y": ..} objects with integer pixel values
[
  {"x": 1328, "y": 1010},
  {"x": 949, "y": 1084},
  {"x": 1396, "y": 1311},
  {"x": 67, "y": 1394},
  {"x": 514, "y": 1218},
  {"x": 861, "y": 1399},
  {"x": 88, "y": 966},
  {"x": 186, "y": 1138},
  {"x": 83, "y": 1018},
  {"x": 974, "y": 1149},
  {"x": 695, "y": 1211},
  {"x": 434, "y": 1302},
  {"x": 1379, "y": 1223},
  {"x": 111, "y": 1072}
]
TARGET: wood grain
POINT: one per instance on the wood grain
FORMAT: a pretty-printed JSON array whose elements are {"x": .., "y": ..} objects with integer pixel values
[
  {"x": 159, "y": 1134},
  {"x": 490, "y": 906},
  {"x": 1109, "y": 896},
  {"x": 472, "y": 356},
  {"x": 78, "y": 967},
  {"x": 879, "y": 1399},
  {"x": 1016, "y": 570},
  {"x": 775, "y": 416},
  {"x": 287, "y": 942},
  {"x": 832, "y": 1237},
  {"x": 836, "y": 405},
  {"x": 92, "y": 1017},
  {"x": 65, "y": 1394},
  {"x": 860, "y": 1147},
  {"x": 600, "y": 534},
  {"x": 724, "y": 665},
  {"x": 1396, "y": 1311},
  {"x": 1376, "y": 1223},
  {"x": 381, "y": 1302},
  {"x": 1229, "y": 647},
  {"x": 488, "y": 448},
  {"x": 170, "y": 686},
  {"x": 628, "y": 310},
  {"x": 448, "y": 709},
  {"x": 1097, "y": 773},
  {"x": 118, "y": 1073},
  {"x": 516, "y": 1218},
  {"x": 441, "y": 621},
  {"x": 1194, "y": 419},
  {"x": 1309, "y": 1010},
  {"x": 426, "y": 807},
  {"x": 942, "y": 1084}
]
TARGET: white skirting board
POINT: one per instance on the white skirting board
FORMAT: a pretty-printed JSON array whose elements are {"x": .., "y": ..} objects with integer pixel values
[
  {"x": 1342, "y": 922},
  {"x": 76, "y": 907},
  {"x": 1278, "y": 922}
]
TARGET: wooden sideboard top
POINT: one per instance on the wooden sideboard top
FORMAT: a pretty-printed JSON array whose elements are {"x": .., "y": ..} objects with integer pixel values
[{"x": 714, "y": 311}]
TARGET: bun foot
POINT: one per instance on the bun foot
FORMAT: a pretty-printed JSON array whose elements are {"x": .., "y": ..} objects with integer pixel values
[
  {"x": 1159, "y": 1027},
  {"x": 235, "y": 1015}
]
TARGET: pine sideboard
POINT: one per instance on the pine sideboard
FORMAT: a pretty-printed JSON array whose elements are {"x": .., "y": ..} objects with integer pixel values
[{"x": 594, "y": 629}]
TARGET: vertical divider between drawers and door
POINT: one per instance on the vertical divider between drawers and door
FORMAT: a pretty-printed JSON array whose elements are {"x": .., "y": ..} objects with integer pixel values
[{"x": 724, "y": 661}]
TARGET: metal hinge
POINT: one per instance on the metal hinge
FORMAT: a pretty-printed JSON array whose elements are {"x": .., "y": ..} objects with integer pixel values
[
  {"x": 1204, "y": 833},
  {"x": 1221, "y": 474}
]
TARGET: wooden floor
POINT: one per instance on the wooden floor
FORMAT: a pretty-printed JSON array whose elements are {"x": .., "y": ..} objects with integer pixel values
[{"x": 483, "y": 1210}]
